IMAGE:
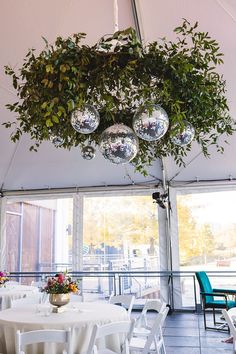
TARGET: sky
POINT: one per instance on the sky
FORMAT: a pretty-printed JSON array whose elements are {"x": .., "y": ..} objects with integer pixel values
[{"x": 216, "y": 207}]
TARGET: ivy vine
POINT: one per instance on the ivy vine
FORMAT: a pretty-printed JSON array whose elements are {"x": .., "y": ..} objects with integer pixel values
[{"x": 117, "y": 76}]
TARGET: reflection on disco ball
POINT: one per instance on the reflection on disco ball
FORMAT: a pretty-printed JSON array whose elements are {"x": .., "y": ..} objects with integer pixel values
[
  {"x": 119, "y": 144},
  {"x": 153, "y": 126},
  {"x": 88, "y": 152},
  {"x": 56, "y": 140},
  {"x": 185, "y": 136},
  {"x": 108, "y": 44},
  {"x": 86, "y": 121}
]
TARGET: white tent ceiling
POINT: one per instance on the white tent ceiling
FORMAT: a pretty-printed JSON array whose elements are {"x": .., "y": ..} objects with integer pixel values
[{"x": 23, "y": 23}]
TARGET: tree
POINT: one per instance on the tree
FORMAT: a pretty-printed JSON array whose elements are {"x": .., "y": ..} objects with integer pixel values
[
  {"x": 113, "y": 220},
  {"x": 187, "y": 233},
  {"x": 195, "y": 239}
]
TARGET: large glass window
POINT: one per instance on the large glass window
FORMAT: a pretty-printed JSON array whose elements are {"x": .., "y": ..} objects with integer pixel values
[
  {"x": 121, "y": 233},
  {"x": 39, "y": 235},
  {"x": 207, "y": 228}
]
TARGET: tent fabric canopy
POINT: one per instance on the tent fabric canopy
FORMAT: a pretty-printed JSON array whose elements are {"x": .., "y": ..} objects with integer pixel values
[{"x": 22, "y": 25}]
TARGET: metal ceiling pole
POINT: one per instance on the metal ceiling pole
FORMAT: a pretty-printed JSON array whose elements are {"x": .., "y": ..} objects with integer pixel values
[
  {"x": 169, "y": 262},
  {"x": 166, "y": 190},
  {"x": 164, "y": 179},
  {"x": 136, "y": 20},
  {"x": 168, "y": 230}
]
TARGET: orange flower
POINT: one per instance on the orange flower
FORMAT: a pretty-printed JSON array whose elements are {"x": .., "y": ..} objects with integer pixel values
[{"x": 73, "y": 287}]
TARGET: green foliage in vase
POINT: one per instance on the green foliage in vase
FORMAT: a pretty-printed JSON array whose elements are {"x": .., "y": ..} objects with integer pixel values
[{"x": 118, "y": 75}]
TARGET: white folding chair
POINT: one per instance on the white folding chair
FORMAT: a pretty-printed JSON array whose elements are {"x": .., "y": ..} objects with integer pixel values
[
  {"x": 141, "y": 326},
  {"x": 126, "y": 301},
  {"x": 76, "y": 298},
  {"x": 27, "y": 300},
  {"x": 110, "y": 296},
  {"x": 12, "y": 282},
  {"x": 37, "y": 284},
  {"x": 120, "y": 328},
  {"x": 231, "y": 325},
  {"x": 154, "y": 342},
  {"x": 43, "y": 336}
]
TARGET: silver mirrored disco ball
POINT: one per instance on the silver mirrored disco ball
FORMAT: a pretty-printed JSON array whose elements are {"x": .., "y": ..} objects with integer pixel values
[
  {"x": 85, "y": 122},
  {"x": 151, "y": 127},
  {"x": 108, "y": 44},
  {"x": 119, "y": 144},
  {"x": 56, "y": 140},
  {"x": 185, "y": 136},
  {"x": 88, "y": 152}
]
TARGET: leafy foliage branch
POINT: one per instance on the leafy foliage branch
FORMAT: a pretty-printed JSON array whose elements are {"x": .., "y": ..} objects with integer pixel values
[{"x": 118, "y": 75}]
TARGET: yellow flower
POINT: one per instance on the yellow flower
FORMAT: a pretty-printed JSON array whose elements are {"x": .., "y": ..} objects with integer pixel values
[{"x": 73, "y": 288}]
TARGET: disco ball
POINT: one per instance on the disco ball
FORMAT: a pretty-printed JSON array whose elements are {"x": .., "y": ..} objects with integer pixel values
[
  {"x": 151, "y": 126},
  {"x": 185, "y": 136},
  {"x": 86, "y": 121},
  {"x": 88, "y": 152},
  {"x": 108, "y": 44},
  {"x": 118, "y": 144},
  {"x": 56, "y": 140}
]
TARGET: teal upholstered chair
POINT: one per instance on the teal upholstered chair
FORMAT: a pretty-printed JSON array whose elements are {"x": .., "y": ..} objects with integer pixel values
[{"x": 213, "y": 298}]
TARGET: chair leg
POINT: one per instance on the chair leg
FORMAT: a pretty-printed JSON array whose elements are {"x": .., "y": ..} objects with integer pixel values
[
  {"x": 223, "y": 325},
  {"x": 163, "y": 348},
  {"x": 159, "y": 345},
  {"x": 234, "y": 345},
  {"x": 220, "y": 328},
  {"x": 160, "y": 349},
  {"x": 204, "y": 316},
  {"x": 214, "y": 316}
]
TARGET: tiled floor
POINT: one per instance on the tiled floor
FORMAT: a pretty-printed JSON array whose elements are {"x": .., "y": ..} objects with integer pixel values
[{"x": 184, "y": 334}]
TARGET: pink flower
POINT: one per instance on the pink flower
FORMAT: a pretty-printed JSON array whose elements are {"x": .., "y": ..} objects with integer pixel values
[{"x": 60, "y": 278}]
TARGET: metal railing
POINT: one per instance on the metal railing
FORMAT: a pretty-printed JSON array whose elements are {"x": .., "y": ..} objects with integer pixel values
[{"x": 107, "y": 282}]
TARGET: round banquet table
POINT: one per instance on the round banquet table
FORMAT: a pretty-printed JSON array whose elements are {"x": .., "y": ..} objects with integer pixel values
[
  {"x": 13, "y": 292},
  {"x": 80, "y": 317}
]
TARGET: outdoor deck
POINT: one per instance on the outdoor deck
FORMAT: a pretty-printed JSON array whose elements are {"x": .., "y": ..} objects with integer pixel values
[{"x": 184, "y": 334}]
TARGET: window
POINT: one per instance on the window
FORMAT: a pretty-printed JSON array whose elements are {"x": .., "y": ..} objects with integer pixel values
[
  {"x": 207, "y": 229},
  {"x": 121, "y": 233},
  {"x": 39, "y": 235}
]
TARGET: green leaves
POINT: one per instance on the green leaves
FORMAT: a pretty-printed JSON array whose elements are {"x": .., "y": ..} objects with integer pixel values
[
  {"x": 117, "y": 75},
  {"x": 49, "y": 123},
  {"x": 71, "y": 105}
]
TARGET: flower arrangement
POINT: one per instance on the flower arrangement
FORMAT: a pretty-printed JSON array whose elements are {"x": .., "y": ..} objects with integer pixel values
[
  {"x": 61, "y": 283},
  {"x": 3, "y": 278}
]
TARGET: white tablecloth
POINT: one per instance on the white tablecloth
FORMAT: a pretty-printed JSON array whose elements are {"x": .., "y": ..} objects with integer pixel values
[
  {"x": 80, "y": 317},
  {"x": 13, "y": 292}
]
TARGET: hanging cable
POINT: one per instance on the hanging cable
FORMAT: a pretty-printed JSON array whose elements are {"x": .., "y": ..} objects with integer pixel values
[
  {"x": 225, "y": 8},
  {"x": 7, "y": 90},
  {"x": 116, "y": 15},
  {"x": 10, "y": 164},
  {"x": 189, "y": 163},
  {"x": 185, "y": 166}
]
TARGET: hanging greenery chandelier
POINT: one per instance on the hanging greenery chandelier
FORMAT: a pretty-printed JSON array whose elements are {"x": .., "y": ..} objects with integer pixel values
[{"x": 136, "y": 103}]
